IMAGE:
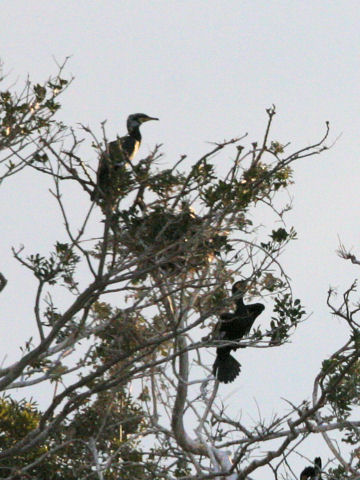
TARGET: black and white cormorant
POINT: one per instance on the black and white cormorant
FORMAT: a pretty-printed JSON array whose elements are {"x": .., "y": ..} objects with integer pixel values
[
  {"x": 312, "y": 473},
  {"x": 233, "y": 327},
  {"x": 119, "y": 152}
]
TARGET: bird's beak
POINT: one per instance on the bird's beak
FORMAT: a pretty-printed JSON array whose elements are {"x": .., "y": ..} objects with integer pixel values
[{"x": 150, "y": 118}]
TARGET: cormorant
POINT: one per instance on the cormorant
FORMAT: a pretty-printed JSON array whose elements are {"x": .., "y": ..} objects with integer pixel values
[
  {"x": 119, "y": 152},
  {"x": 233, "y": 327},
  {"x": 312, "y": 472}
]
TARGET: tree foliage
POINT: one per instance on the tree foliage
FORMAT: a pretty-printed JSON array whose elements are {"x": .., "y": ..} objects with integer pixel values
[{"x": 127, "y": 353}]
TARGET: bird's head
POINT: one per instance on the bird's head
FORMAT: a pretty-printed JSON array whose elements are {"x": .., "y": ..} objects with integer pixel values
[
  {"x": 239, "y": 288},
  {"x": 136, "y": 119}
]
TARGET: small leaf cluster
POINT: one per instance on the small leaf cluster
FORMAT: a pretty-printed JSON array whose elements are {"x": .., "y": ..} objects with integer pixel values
[
  {"x": 343, "y": 383},
  {"x": 278, "y": 238},
  {"x": 202, "y": 173},
  {"x": 124, "y": 333},
  {"x": 339, "y": 473},
  {"x": 288, "y": 313},
  {"x": 17, "y": 419},
  {"x": 182, "y": 468},
  {"x": 276, "y": 147},
  {"x": 211, "y": 302},
  {"x": 29, "y": 112},
  {"x": 61, "y": 263},
  {"x": 255, "y": 183},
  {"x": 165, "y": 182},
  {"x": 282, "y": 178}
]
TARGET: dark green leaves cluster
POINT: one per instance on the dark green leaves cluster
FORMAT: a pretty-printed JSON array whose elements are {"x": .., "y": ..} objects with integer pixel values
[
  {"x": 278, "y": 238},
  {"x": 164, "y": 182},
  {"x": 343, "y": 382},
  {"x": 123, "y": 335},
  {"x": 113, "y": 419},
  {"x": 339, "y": 473},
  {"x": 17, "y": 419},
  {"x": 61, "y": 263},
  {"x": 288, "y": 313},
  {"x": 32, "y": 110},
  {"x": 255, "y": 183},
  {"x": 182, "y": 468}
]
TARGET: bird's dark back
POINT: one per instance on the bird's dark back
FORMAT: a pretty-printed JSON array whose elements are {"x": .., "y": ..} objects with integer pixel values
[
  {"x": 122, "y": 149},
  {"x": 310, "y": 473},
  {"x": 238, "y": 324},
  {"x": 255, "y": 309}
]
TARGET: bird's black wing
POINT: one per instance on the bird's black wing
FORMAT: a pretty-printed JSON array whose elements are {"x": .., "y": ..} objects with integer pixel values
[
  {"x": 227, "y": 316},
  {"x": 312, "y": 472},
  {"x": 244, "y": 319},
  {"x": 102, "y": 176},
  {"x": 255, "y": 309},
  {"x": 308, "y": 472},
  {"x": 123, "y": 149},
  {"x": 113, "y": 158},
  {"x": 219, "y": 332},
  {"x": 111, "y": 166},
  {"x": 117, "y": 153}
]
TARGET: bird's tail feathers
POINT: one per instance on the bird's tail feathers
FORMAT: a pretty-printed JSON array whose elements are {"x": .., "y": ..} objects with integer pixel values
[{"x": 226, "y": 368}]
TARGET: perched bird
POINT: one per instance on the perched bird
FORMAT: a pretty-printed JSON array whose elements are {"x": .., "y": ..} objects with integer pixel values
[
  {"x": 233, "y": 327},
  {"x": 313, "y": 473},
  {"x": 112, "y": 164}
]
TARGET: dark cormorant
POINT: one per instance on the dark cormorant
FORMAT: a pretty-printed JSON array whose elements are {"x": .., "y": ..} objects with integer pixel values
[
  {"x": 119, "y": 152},
  {"x": 312, "y": 472},
  {"x": 233, "y": 327}
]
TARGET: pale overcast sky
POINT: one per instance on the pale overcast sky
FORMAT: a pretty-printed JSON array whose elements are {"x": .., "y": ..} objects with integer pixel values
[{"x": 208, "y": 69}]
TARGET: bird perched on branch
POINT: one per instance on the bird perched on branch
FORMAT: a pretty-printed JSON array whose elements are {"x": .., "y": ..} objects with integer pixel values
[
  {"x": 233, "y": 327},
  {"x": 312, "y": 473},
  {"x": 112, "y": 163}
]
